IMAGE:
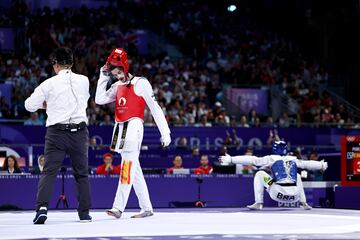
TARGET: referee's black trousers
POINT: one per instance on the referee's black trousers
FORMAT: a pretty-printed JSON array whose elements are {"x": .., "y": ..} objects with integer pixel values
[{"x": 57, "y": 144}]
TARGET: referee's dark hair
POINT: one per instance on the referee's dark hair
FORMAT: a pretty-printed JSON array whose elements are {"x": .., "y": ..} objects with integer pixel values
[{"x": 62, "y": 56}]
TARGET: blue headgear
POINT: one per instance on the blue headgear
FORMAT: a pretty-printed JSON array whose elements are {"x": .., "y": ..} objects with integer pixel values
[{"x": 279, "y": 148}]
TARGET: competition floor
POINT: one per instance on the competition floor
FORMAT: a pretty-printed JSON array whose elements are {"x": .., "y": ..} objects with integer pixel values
[{"x": 206, "y": 223}]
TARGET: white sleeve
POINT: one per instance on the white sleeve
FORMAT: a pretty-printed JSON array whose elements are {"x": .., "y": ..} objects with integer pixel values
[
  {"x": 102, "y": 96},
  {"x": 37, "y": 98},
  {"x": 246, "y": 160},
  {"x": 309, "y": 164},
  {"x": 143, "y": 88}
]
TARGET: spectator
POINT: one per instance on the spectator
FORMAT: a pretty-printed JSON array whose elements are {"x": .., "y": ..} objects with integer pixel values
[
  {"x": 228, "y": 141},
  {"x": 93, "y": 119},
  {"x": 339, "y": 121},
  {"x": 34, "y": 120},
  {"x": 195, "y": 151},
  {"x": 236, "y": 139},
  {"x": 93, "y": 144},
  {"x": 269, "y": 122},
  {"x": 182, "y": 144},
  {"x": 107, "y": 121},
  {"x": 177, "y": 164},
  {"x": 246, "y": 169},
  {"x": 5, "y": 111},
  {"x": 249, "y": 151},
  {"x": 296, "y": 153},
  {"x": 327, "y": 116},
  {"x": 273, "y": 136},
  {"x": 222, "y": 119},
  {"x": 243, "y": 122},
  {"x": 315, "y": 175},
  {"x": 11, "y": 165},
  {"x": 107, "y": 167},
  {"x": 246, "y": 56},
  {"x": 233, "y": 122},
  {"x": 284, "y": 120},
  {"x": 257, "y": 123},
  {"x": 232, "y": 141},
  {"x": 252, "y": 116},
  {"x": 205, "y": 167},
  {"x": 203, "y": 122},
  {"x": 40, "y": 167},
  {"x": 223, "y": 151}
]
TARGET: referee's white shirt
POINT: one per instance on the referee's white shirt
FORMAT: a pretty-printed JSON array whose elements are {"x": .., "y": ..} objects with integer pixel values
[{"x": 66, "y": 96}]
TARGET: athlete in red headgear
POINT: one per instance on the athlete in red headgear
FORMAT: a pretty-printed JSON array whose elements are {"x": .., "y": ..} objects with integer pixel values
[
  {"x": 118, "y": 59},
  {"x": 130, "y": 94}
]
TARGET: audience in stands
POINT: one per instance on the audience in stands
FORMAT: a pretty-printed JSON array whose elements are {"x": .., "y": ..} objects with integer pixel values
[
  {"x": 11, "y": 165},
  {"x": 205, "y": 167},
  {"x": 34, "y": 120},
  {"x": 316, "y": 175},
  {"x": 245, "y": 55},
  {"x": 107, "y": 167},
  {"x": 177, "y": 164},
  {"x": 243, "y": 122},
  {"x": 40, "y": 167},
  {"x": 223, "y": 151},
  {"x": 273, "y": 136},
  {"x": 94, "y": 144},
  {"x": 195, "y": 151},
  {"x": 5, "y": 111},
  {"x": 246, "y": 169},
  {"x": 182, "y": 144}
]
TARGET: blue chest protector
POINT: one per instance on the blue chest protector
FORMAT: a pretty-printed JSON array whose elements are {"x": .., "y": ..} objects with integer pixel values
[{"x": 284, "y": 170}]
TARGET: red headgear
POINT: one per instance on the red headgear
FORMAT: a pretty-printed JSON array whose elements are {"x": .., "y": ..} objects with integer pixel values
[{"x": 118, "y": 58}]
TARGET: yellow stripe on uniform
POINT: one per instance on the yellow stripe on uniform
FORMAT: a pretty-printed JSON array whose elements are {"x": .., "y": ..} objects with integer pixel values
[{"x": 125, "y": 172}]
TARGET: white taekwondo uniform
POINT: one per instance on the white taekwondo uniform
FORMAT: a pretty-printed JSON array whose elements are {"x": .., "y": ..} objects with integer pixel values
[{"x": 131, "y": 98}]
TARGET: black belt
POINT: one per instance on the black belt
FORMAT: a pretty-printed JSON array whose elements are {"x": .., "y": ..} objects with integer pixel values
[
  {"x": 116, "y": 135},
  {"x": 72, "y": 127},
  {"x": 286, "y": 184}
]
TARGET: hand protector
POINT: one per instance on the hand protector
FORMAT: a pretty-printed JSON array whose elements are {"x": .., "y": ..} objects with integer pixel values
[
  {"x": 165, "y": 140},
  {"x": 225, "y": 159},
  {"x": 324, "y": 165}
]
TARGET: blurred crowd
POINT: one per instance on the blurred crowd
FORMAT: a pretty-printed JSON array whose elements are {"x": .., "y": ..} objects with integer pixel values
[
  {"x": 220, "y": 49},
  {"x": 177, "y": 165}
]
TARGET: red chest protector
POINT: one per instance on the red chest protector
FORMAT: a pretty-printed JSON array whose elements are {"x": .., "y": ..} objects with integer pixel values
[{"x": 128, "y": 104}]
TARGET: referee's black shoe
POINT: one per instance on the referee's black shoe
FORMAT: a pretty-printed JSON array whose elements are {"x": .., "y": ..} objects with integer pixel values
[
  {"x": 41, "y": 216},
  {"x": 85, "y": 217}
]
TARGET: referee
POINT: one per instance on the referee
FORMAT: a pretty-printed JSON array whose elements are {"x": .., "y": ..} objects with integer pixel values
[{"x": 64, "y": 97}]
